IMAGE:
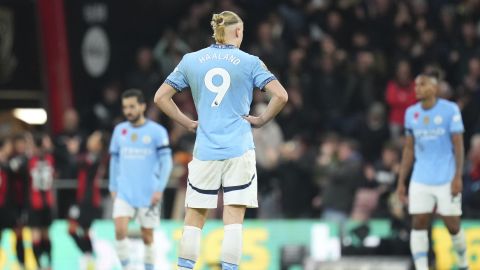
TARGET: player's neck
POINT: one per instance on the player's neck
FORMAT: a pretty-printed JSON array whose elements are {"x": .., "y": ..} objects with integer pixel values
[
  {"x": 229, "y": 42},
  {"x": 141, "y": 120},
  {"x": 428, "y": 103}
]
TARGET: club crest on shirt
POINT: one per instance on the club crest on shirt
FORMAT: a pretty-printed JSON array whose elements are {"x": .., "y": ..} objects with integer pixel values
[
  {"x": 426, "y": 120},
  {"x": 146, "y": 139},
  {"x": 438, "y": 120},
  {"x": 134, "y": 137}
]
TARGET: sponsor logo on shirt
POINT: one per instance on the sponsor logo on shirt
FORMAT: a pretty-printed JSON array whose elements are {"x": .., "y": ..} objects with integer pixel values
[
  {"x": 429, "y": 133},
  {"x": 135, "y": 153}
]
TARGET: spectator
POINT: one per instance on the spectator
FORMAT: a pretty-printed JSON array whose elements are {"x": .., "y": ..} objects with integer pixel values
[
  {"x": 343, "y": 178},
  {"x": 145, "y": 76},
  {"x": 400, "y": 94}
]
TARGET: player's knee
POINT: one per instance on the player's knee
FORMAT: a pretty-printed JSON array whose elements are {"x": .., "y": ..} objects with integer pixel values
[
  {"x": 419, "y": 223},
  {"x": 147, "y": 237},
  {"x": 120, "y": 233},
  {"x": 453, "y": 228}
]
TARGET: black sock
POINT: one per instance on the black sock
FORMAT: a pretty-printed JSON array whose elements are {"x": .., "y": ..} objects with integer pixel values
[
  {"x": 20, "y": 249},
  {"x": 47, "y": 248},
  {"x": 88, "y": 244},
  {"x": 37, "y": 251}
]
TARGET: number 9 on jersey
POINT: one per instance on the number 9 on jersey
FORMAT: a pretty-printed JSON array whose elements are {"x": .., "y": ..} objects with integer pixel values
[{"x": 221, "y": 89}]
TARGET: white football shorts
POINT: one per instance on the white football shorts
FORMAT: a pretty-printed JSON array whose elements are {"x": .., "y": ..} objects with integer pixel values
[
  {"x": 422, "y": 199},
  {"x": 147, "y": 217},
  {"x": 237, "y": 177}
]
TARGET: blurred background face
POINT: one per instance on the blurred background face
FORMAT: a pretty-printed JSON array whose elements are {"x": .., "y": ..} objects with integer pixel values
[
  {"x": 132, "y": 109},
  {"x": 424, "y": 87},
  {"x": 94, "y": 142},
  {"x": 20, "y": 146},
  {"x": 6, "y": 150},
  {"x": 403, "y": 73}
]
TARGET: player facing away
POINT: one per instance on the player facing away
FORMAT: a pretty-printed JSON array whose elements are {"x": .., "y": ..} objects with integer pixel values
[
  {"x": 434, "y": 139},
  {"x": 140, "y": 166},
  {"x": 222, "y": 79}
]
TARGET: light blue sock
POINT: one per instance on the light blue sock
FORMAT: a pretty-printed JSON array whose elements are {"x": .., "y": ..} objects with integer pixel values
[
  {"x": 149, "y": 266},
  {"x": 185, "y": 264},
  {"x": 229, "y": 266}
]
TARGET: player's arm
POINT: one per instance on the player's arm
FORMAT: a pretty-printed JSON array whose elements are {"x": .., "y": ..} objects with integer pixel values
[
  {"x": 457, "y": 140},
  {"x": 113, "y": 165},
  {"x": 405, "y": 166},
  {"x": 279, "y": 98},
  {"x": 163, "y": 100},
  {"x": 164, "y": 169}
]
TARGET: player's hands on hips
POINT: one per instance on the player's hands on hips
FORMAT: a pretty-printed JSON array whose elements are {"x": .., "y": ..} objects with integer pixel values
[
  {"x": 457, "y": 186},
  {"x": 402, "y": 193},
  {"x": 113, "y": 194},
  {"x": 156, "y": 197},
  {"x": 255, "y": 121},
  {"x": 192, "y": 126}
]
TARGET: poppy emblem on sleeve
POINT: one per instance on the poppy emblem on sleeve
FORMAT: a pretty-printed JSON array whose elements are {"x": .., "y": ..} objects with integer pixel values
[{"x": 124, "y": 131}]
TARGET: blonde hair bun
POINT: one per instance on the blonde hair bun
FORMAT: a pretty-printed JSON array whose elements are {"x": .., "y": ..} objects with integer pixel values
[{"x": 220, "y": 21}]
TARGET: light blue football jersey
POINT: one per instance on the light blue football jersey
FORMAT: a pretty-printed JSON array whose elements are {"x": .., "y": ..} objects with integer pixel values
[
  {"x": 222, "y": 79},
  {"x": 136, "y": 156},
  {"x": 432, "y": 130}
]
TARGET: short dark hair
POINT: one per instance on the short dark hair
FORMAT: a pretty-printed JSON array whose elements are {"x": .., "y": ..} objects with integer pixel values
[{"x": 134, "y": 93}]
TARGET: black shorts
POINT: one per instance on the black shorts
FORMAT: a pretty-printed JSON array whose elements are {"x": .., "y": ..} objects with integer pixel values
[
  {"x": 8, "y": 219},
  {"x": 40, "y": 218},
  {"x": 84, "y": 215}
]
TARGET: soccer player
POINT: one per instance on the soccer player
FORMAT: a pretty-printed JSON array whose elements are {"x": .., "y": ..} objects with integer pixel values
[
  {"x": 91, "y": 169},
  {"x": 41, "y": 167},
  {"x": 19, "y": 177},
  {"x": 221, "y": 78},
  {"x": 140, "y": 166},
  {"x": 434, "y": 139}
]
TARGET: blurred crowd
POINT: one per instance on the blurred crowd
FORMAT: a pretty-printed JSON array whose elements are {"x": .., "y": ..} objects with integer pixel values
[{"x": 349, "y": 67}]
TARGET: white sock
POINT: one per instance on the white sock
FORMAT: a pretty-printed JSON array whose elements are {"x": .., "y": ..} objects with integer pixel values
[
  {"x": 123, "y": 252},
  {"x": 189, "y": 247},
  {"x": 232, "y": 244},
  {"x": 149, "y": 257},
  {"x": 419, "y": 248},
  {"x": 460, "y": 246}
]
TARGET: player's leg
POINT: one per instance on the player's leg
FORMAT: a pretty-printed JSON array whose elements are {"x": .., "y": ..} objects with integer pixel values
[
  {"x": 149, "y": 219},
  {"x": 233, "y": 216},
  {"x": 450, "y": 208},
  {"x": 122, "y": 212},
  {"x": 149, "y": 256},
  {"x": 46, "y": 244},
  {"x": 204, "y": 181},
  {"x": 19, "y": 245},
  {"x": 421, "y": 205},
  {"x": 34, "y": 222},
  {"x": 46, "y": 222},
  {"x": 240, "y": 192},
  {"x": 189, "y": 249}
]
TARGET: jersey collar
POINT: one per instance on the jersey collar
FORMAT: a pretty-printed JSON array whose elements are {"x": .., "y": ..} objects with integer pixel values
[{"x": 223, "y": 46}]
